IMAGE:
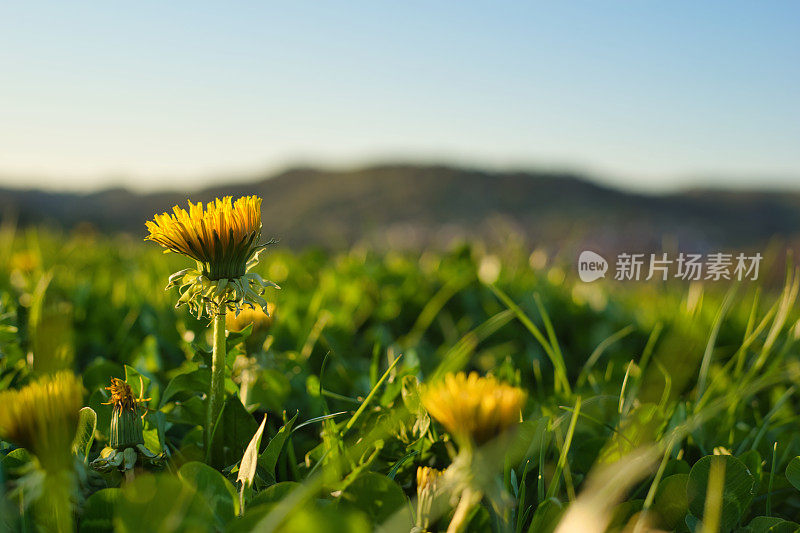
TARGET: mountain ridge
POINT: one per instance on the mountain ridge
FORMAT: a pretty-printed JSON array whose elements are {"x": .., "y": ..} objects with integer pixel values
[{"x": 416, "y": 205}]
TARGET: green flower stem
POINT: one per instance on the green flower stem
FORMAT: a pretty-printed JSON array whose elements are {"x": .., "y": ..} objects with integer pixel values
[
  {"x": 216, "y": 395},
  {"x": 54, "y": 508}
]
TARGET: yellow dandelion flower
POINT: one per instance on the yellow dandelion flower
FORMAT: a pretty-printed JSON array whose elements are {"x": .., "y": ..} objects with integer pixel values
[
  {"x": 43, "y": 417},
  {"x": 428, "y": 478},
  {"x": 222, "y": 237},
  {"x": 261, "y": 320},
  {"x": 473, "y": 408},
  {"x": 24, "y": 261}
]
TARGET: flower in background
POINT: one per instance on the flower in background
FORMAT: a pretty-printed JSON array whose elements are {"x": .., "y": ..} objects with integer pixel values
[
  {"x": 25, "y": 261},
  {"x": 259, "y": 317},
  {"x": 428, "y": 481},
  {"x": 427, "y": 478},
  {"x": 246, "y": 369},
  {"x": 126, "y": 438},
  {"x": 473, "y": 409},
  {"x": 43, "y": 417},
  {"x": 126, "y": 426}
]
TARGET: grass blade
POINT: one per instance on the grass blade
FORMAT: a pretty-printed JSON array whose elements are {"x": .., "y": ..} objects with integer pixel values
[{"x": 556, "y": 358}]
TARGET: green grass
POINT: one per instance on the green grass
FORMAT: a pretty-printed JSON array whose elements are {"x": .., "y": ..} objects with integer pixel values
[{"x": 643, "y": 399}]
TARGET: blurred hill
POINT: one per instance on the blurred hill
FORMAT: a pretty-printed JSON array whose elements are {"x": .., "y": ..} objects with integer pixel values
[{"x": 412, "y": 205}]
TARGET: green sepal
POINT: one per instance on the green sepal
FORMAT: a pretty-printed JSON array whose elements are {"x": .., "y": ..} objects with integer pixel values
[{"x": 126, "y": 429}]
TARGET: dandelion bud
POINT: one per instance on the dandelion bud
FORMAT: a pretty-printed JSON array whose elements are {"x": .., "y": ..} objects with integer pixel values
[
  {"x": 126, "y": 425},
  {"x": 126, "y": 440},
  {"x": 428, "y": 481},
  {"x": 427, "y": 478}
]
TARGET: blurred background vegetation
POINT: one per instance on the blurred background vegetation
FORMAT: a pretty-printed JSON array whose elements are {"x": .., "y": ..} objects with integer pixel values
[{"x": 643, "y": 360}]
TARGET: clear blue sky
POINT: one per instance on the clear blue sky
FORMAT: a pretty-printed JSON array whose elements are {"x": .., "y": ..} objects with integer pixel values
[{"x": 652, "y": 95}]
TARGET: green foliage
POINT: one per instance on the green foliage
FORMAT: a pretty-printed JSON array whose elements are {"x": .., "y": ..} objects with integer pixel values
[
  {"x": 163, "y": 503},
  {"x": 249, "y": 462},
  {"x": 671, "y": 502},
  {"x": 765, "y": 524},
  {"x": 269, "y": 457},
  {"x": 274, "y": 493},
  {"x": 546, "y": 517},
  {"x": 218, "y": 492},
  {"x": 98, "y": 511},
  {"x": 375, "y": 494},
  {"x": 793, "y": 472},
  {"x": 232, "y": 432},
  {"x": 684, "y": 375},
  {"x": 85, "y": 434},
  {"x": 737, "y": 488}
]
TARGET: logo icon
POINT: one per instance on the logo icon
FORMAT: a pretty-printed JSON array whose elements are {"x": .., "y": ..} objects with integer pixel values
[{"x": 591, "y": 266}]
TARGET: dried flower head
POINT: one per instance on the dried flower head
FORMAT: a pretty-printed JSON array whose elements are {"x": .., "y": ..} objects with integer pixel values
[
  {"x": 43, "y": 417},
  {"x": 126, "y": 446},
  {"x": 224, "y": 239},
  {"x": 473, "y": 408},
  {"x": 126, "y": 425},
  {"x": 122, "y": 397}
]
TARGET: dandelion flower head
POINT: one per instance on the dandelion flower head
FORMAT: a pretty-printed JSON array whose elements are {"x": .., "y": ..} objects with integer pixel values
[
  {"x": 473, "y": 407},
  {"x": 222, "y": 237},
  {"x": 42, "y": 417}
]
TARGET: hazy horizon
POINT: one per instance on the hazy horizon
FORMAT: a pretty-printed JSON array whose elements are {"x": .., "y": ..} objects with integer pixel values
[
  {"x": 646, "y": 97},
  {"x": 198, "y": 184}
]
